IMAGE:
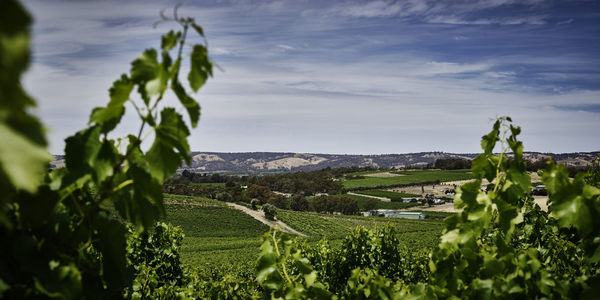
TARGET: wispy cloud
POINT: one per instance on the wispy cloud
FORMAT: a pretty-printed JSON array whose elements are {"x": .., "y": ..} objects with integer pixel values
[{"x": 341, "y": 76}]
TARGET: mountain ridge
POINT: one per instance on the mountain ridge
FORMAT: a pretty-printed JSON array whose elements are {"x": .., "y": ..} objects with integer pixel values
[{"x": 284, "y": 162}]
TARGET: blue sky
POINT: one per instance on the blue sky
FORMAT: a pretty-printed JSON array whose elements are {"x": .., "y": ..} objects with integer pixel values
[{"x": 366, "y": 77}]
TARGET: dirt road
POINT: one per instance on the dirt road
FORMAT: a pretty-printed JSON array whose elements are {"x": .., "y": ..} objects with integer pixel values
[
  {"x": 258, "y": 215},
  {"x": 384, "y": 199}
]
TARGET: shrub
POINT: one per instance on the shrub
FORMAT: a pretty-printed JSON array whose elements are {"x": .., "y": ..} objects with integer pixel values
[
  {"x": 225, "y": 197},
  {"x": 270, "y": 211},
  {"x": 154, "y": 257},
  {"x": 259, "y": 192},
  {"x": 299, "y": 203},
  {"x": 278, "y": 201},
  {"x": 254, "y": 202},
  {"x": 370, "y": 204}
]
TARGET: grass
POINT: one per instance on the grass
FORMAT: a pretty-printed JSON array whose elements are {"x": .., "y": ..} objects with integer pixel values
[
  {"x": 214, "y": 233},
  {"x": 217, "y": 235},
  {"x": 410, "y": 177},
  {"x": 386, "y": 194},
  {"x": 380, "y": 204},
  {"x": 415, "y": 234},
  {"x": 362, "y": 173}
]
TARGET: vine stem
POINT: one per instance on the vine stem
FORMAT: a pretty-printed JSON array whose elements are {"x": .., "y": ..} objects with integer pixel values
[
  {"x": 502, "y": 149},
  {"x": 287, "y": 277},
  {"x": 101, "y": 195}
]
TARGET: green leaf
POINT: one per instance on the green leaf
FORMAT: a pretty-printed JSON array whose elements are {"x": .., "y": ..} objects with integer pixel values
[
  {"x": 482, "y": 167},
  {"x": 81, "y": 147},
  {"x": 573, "y": 212},
  {"x": 149, "y": 73},
  {"x": 142, "y": 203},
  {"x": 198, "y": 29},
  {"x": 105, "y": 161},
  {"x": 488, "y": 141},
  {"x": 170, "y": 146},
  {"x": 3, "y": 287},
  {"x": 110, "y": 115},
  {"x": 23, "y": 161},
  {"x": 37, "y": 210},
  {"x": 192, "y": 107},
  {"x": 164, "y": 161},
  {"x": 111, "y": 243},
  {"x": 201, "y": 67},
  {"x": 169, "y": 40}
]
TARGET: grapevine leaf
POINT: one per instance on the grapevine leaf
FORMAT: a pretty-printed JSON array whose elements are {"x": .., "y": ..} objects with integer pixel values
[
  {"x": 105, "y": 160},
  {"x": 200, "y": 69},
  {"x": 136, "y": 156},
  {"x": 170, "y": 146},
  {"x": 482, "y": 167},
  {"x": 488, "y": 141},
  {"x": 520, "y": 179},
  {"x": 163, "y": 160},
  {"x": 37, "y": 210},
  {"x": 111, "y": 243},
  {"x": 149, "y": 74},
  {"x": 573, "y": 212},
  {"x": 188, "y": 102},
  {"x": 145, "y": 67},
  {"x": 85, "y": 153},
  {"x": 141, "y": 203},
  {"x": 23, "y": 161},
  {"x": 169, "y": 40},
  {"x": 509, "y": 216},
  {"x": 198, "y": 29},
  {"x": 110, "y": 115}
]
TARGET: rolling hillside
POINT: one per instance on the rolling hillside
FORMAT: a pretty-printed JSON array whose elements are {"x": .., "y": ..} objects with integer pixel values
[{"x": 275, "y": 162}]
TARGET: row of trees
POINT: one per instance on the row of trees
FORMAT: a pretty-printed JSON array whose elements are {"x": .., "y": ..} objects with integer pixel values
[{"x": 452, "y": 163}]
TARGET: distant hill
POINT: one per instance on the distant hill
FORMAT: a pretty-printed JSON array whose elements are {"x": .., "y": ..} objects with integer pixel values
[
  {"x": 275, "y": 162},
  {"x": 267, "y": 162}
]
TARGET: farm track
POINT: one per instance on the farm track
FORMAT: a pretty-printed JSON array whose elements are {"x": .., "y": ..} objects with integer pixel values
[
  {"x": 279, "y": 225},
  {"x": 384, "y": 199}
]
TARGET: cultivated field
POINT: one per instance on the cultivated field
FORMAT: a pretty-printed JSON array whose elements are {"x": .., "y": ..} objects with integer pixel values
[
  {"x": 216, "y": 234},
  {"x": 410, "y": 177}
]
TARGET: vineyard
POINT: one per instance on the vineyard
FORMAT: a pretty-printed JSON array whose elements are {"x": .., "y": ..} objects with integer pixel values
[
  {"x": 380, "y": 204},
  {"x": 101, "y": 227},
  {"x": 387, "y": 194},
  {"x": 216, "y": 233},
  {"x": 407, "y": 178}
]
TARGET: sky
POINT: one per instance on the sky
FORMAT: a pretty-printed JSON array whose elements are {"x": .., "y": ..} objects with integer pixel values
[{"x": 355, "y": 77}]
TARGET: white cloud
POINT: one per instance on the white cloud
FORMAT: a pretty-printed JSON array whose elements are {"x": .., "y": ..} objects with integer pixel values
[
  {"x": 285, "y": 47},
  {"x": 456, "y": 20},
  {"x": 346, "y": 87}
]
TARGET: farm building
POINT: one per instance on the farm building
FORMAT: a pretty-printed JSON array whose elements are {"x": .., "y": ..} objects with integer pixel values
[{"x": 392, "y": 213}]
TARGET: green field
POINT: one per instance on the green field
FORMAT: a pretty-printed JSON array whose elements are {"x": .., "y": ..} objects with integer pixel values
[
  {"x": 409, "y": 177},
  {"x": 210, "y": 184},
  {"x": 380, "y": 204},
  {"x": 217, "y": 235},
  {"x": 386, "y": 194},
  {"x": 415, "y": 234},
  {"x": 214, "y": 233}
]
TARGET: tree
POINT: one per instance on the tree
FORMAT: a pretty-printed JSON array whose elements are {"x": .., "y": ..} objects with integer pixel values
[
  {"x": 319, "y": 204},
  {"x": 347, "y": 206},
  {"x": 254, "y": 202},
  {"x": 270, "y": 211},
  {"x": 370, "y": 204},
  {"x": 278, "y": 201},
  {"x": 259, "y": 192},
  {"x": 225, "y": 197},
  {"x": 298, "y": 203}
]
